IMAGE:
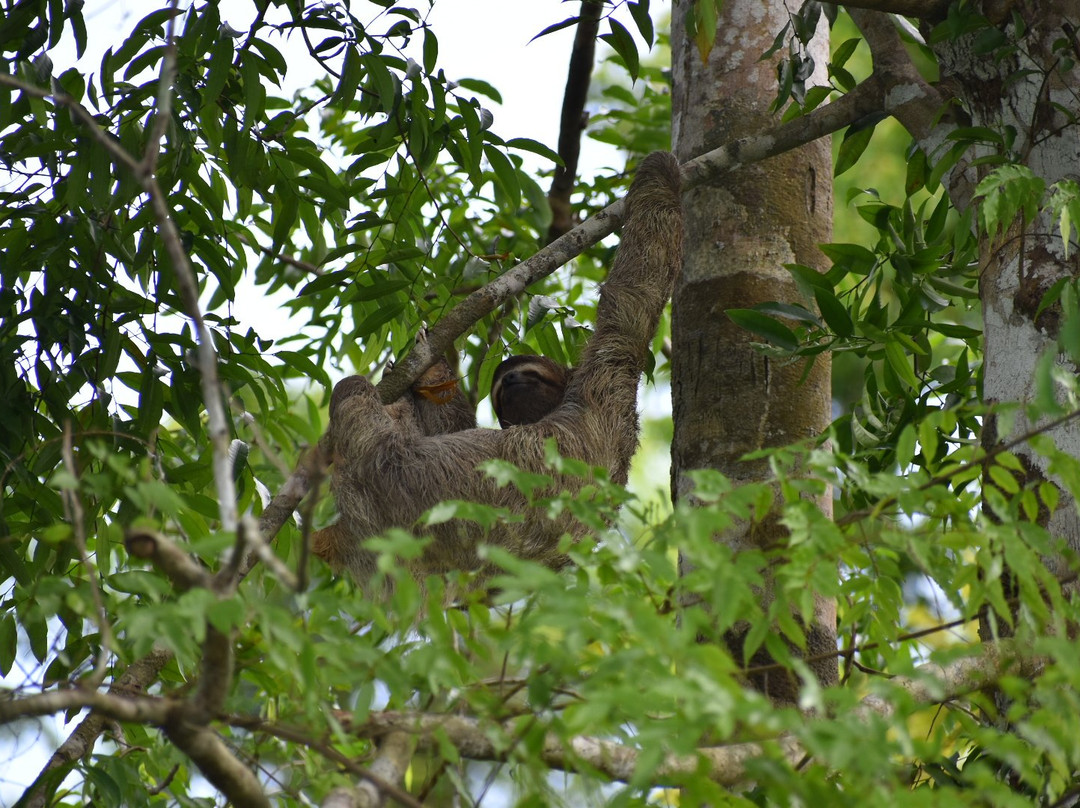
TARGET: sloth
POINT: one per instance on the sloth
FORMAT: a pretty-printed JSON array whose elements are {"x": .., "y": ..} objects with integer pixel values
[
  {"x": 393, "y": 463},
  {"x": 434, "y": 405},
  {"x": 526, "y": 388}
]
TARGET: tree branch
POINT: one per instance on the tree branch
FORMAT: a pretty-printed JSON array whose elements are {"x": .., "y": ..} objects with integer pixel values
[
  {"x": 131, "y": 708},
  {"x": 572, "y": 119},
  {"x": 298, "y": 736},
  {"x": 389, "y": 766},
  {"x": 919, "y": 107},
  {"x": 217, "y": 763},
  {"x": 866, "y": 99},
  {"x": 164, "y": 95},
  {"x": 182, "y": 570},
  {"x": 923, "y": 9},
  {"x": 479, "y": 740},
  {"x": 185, "y": 723}
]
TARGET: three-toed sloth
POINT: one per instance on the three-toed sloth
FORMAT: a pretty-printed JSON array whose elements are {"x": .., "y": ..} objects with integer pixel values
[{"x": 392, "y": 463}]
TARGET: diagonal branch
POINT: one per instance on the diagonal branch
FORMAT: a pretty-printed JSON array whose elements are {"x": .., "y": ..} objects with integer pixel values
[
  {"x": 218, "y": 764},
  {"x": 865, "y": 100},
  {"x": 920, "y": 108}
]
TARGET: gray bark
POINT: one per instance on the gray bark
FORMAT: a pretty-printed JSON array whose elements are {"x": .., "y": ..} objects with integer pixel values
[{"x": 1029, "y": 90}]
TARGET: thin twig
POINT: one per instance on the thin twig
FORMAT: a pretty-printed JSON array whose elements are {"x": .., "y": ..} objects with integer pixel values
[
  {"x": 299, "y": 736},
  {"x": 77, "y": 518},
  {"x": 288, "y": 260},
  {"x": 258, "y": 546},
  {"x": 163, "y": 109},
  {"x": 944, "y": 477},
  {"x": 218, "y": 425}
]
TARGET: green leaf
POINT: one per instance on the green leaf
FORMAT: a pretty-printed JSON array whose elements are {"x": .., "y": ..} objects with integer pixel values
[
  {"x": 853, "y": 258},
  {"x": 639, "y": 11},
  {"x": 1065, "y": 207},
  {"x": 482, "y": 87},
  {"x": 905, "y": 447},
  {"x": 843, "y": 51},
  {"x": 1008, "y": 192},
  {"x": 790, "y": 310},
  {"x": 623, "y": 44},
  {"x": 702, "y": 24},
  {"x": 377, "y": 289},
  {"x": 855, "y": 141},
  {"x": 834, "y": 313},
  {"x": 308, "y": 369},
  {"x": 808, "y": 277},
  {"x": 897, "y": 358},
  {"x": 386, "y": 84},
  {"x": 9, "y": 642},
  {"x": 768, "y": 328},
  {"x": 378, "y": 318},
  {"x": 226, "y": 615},
  {"x": 217, "y": 73},
  {"x": 529, "y": 145},
  {"x": 1004, "y": 479},
  {"x": 431, "y": 51},
  {"x": 558, "y": 26},
  {"x": 505, "y": 174}
]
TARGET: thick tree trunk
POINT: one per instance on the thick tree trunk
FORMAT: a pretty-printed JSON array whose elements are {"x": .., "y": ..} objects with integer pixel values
[
  {"x": 1027, "y": 89},
  {"x": 728, "y": 399},
  {"x": 1021, "y": 83}
]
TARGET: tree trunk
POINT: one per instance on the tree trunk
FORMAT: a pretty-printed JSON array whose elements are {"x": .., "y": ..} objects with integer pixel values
[
  {"x": 729, "y": 399},
  {"x": 1029, "y": 85}
]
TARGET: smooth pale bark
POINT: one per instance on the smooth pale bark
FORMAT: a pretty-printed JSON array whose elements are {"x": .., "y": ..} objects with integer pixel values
[
  {"x": 1018, "y": 269},
  {"x": 729, "y": 399},
  {"x": 1027, "y": 90}
]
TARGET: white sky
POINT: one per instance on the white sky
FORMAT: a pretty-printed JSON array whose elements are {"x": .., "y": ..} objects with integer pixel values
[{"x": 487, "y": 39}]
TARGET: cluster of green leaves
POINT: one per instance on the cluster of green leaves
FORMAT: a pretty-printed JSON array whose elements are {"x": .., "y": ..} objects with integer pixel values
[
  {"x": 903, "y": 308},
  {"x": 268, "y": 200},
  {"x": 906, "y": 308},
  {"x": 637, "y": 116},
  {"x": 797, "y": 66},
  {"x": 618, "y": 35},
  {"x": 368, "y": 203},
  {"x": 623, "y": 648}
]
